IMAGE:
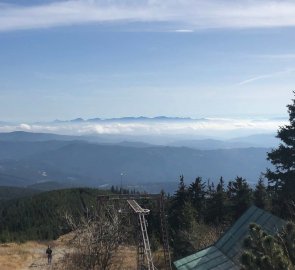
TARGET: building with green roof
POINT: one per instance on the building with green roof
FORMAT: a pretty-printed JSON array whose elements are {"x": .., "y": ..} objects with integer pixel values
[{"x": 226, "y": 252}]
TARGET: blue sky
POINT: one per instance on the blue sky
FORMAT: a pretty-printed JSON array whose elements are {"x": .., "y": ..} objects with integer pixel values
[{"x": 213, "y": 58}]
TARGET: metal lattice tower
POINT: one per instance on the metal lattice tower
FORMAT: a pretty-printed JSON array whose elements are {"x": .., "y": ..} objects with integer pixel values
[
  {"x": 144, "y": 256},
  {"x": 145, "y": 238}
]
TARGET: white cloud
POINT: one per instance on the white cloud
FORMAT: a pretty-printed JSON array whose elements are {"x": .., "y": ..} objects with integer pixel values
[
  {"x": 25, "y": 127},
  {"x": 184, "y": 31},
  {"x": 182, "y": 14},
  {"x": 146, "y": 128},
  {"x": 267, "y": 76}
]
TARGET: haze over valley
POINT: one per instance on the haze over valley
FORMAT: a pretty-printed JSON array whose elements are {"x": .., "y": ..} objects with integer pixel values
[{"x": 148, "y": 161}]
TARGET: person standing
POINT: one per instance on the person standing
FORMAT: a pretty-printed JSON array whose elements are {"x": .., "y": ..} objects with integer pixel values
[{"x": 49, "y": 254}]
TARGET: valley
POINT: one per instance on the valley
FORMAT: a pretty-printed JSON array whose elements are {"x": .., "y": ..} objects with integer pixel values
[{"x": 28, "y": 159}]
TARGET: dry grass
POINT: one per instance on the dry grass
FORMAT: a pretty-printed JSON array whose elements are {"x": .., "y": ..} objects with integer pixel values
[
  {"x": 31, "y": 255},
  {"x": 17, "y": 256},
  {"x": 125, "y": 259}
]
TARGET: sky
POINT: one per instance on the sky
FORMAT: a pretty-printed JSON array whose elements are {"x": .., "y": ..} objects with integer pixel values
[{"x": 110, "y": 58}]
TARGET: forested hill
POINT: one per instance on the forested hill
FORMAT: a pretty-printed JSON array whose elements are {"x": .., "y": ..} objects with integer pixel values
[
  {"x": 42, "y": 216},
  {"x": 83, "y": 163},
  {"x": 9, "y": 193}
]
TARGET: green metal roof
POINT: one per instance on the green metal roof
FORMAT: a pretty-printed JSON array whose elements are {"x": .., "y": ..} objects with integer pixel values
[
  {"x": 209, "y": 258},
  {"x": 226, "y": 252}
]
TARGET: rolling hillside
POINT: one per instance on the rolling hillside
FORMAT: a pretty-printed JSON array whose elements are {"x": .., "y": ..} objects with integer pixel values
[{"x": 93, "y": 164}]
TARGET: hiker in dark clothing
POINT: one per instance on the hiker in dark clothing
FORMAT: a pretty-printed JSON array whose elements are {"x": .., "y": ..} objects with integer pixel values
[{"x": 49, "y": 254}]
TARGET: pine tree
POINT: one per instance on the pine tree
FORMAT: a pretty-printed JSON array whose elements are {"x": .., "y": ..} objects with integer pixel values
[
  {"x": 216, "y": 205},
  {"x": 181, "y": 195},
  {"x": 179, "y": 203},
  {"x": 181, "y": 219},
  {"x": 267, "y": 252},
  {"x": 260, "y": 194},
  {"x": 210, "y": 189},
  {"x": 182, "y": 245},
  {"x": 240, "y": 196},
  {"x": 197, "y": 193},
  {"x": 287, "y": 240},
  {"x": 282, "y": 179},
  {"x": 220, "y": 199}
]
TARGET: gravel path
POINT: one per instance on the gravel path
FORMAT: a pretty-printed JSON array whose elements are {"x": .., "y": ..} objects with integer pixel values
[{"x": 40, "y": 262}]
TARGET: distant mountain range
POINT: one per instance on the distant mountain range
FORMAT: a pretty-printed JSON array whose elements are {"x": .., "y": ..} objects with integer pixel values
[
  {"x": 22, "y": 136},
  {"x": 260, "y": 140},
  {"x": 161, "y": 130},
  {"x": 127, "y": 119},
  {"x": 30, "y": 158}
]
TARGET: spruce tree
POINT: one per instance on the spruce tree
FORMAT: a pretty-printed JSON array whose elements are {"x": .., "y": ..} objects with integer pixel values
[
  {"x": 179, "y": 203},
  {"x": 282, "y": 178},
  {"x": 197, "y": 193},
  {"x": 216, "y": 205},
  {"x": 240, "y": 196},
  {"x": 181, "y": 194},
  {"x": 260, "y": 194},
  {"x": 181, "y": 219}
]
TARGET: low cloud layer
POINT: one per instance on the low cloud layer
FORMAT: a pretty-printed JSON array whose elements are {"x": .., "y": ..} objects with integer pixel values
[
  {"x": 181, "y": 15},
  {"x": 206, "y": 127}
]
